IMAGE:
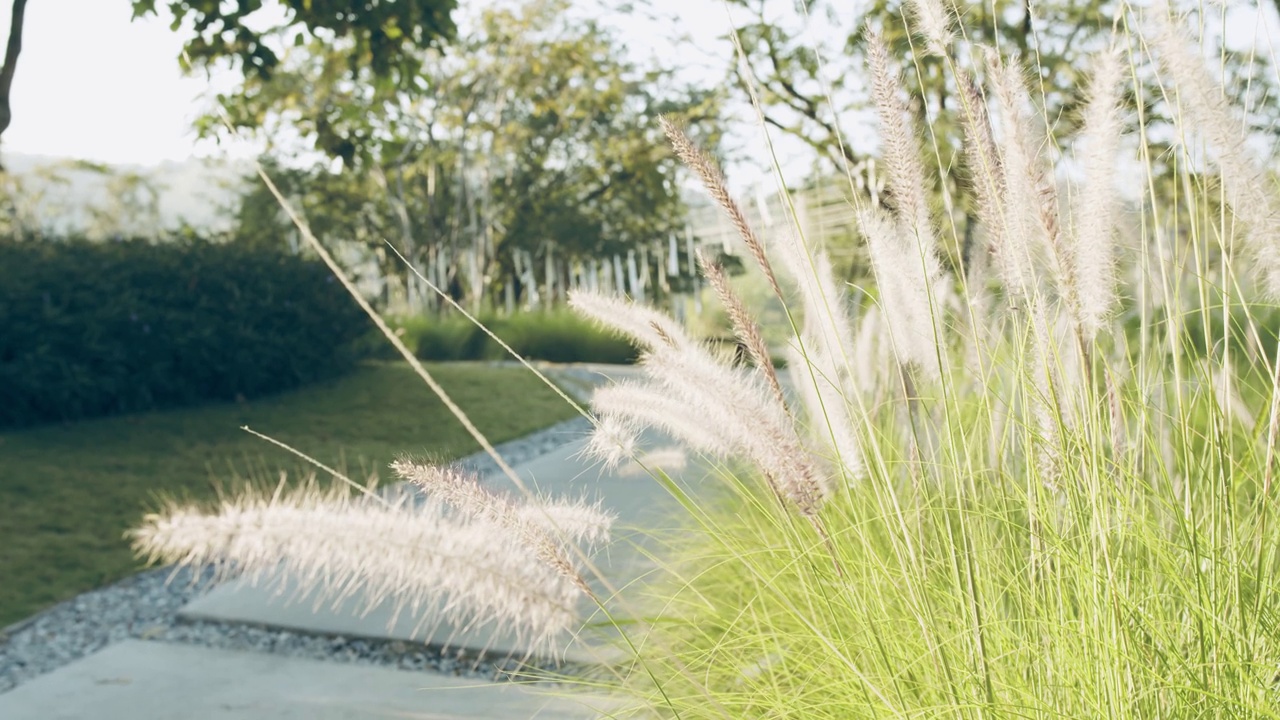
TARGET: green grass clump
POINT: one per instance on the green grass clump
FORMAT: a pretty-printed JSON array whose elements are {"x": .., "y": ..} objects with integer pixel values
[
  {"x": 71, "y": 491},
  {"x": 985, "y": 591}
]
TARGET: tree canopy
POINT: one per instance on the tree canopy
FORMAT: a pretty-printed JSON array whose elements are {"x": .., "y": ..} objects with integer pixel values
[{"x": 375, "y": 44}]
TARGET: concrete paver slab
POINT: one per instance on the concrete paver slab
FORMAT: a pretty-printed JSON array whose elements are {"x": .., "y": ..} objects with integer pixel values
[{"x": 137, "y": 680}]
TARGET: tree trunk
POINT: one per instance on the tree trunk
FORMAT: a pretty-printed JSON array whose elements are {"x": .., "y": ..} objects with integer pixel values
[
  {"x": 10, "y": 64},
  {"x": 1024, "y": 38}
]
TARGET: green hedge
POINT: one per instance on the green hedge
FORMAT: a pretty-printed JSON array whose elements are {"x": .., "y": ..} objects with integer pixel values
[
  {"x": 555, "y": 336},
  {"x": 91, "y": 329}
]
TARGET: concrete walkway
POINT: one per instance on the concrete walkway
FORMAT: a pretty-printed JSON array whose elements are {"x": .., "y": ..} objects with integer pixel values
[{"x": 139, "y": 680}]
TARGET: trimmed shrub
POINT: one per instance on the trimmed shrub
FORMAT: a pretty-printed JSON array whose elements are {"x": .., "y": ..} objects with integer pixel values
[
  {"x": 443, "y": 339},
  {"x": 90, "y": 329},
  {"x": 556, "y": 336}
]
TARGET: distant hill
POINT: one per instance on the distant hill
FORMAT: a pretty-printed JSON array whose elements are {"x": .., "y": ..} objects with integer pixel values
[{"x": 59, "y": 193}]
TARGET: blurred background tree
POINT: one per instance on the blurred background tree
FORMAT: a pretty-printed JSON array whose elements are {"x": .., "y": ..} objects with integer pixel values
[{"x": 535, "y": 152}]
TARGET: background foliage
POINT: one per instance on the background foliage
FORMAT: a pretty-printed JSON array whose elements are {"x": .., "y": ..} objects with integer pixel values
[{"x": 536, "y": 150}]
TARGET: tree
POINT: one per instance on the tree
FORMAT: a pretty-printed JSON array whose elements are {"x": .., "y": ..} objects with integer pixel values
[
  {"x": 375, "y": 44},
  {"x": 11, "y": 52},
  {"x": 538, "y": 142},
  {"x": 576, "y": 156},
  {"x": 80, "y": 198},
  {"x": 380, "y": 38}
]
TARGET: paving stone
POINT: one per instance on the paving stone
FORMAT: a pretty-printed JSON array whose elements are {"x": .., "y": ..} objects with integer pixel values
[{"x": 137, "y": 680}]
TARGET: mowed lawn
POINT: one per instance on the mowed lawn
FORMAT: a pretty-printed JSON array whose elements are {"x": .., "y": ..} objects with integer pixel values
[{"x": 69, "y": 492}]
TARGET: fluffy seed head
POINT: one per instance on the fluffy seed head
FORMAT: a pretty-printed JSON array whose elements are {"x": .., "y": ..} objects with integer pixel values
[
  {"x": 900, "y": 151},
  {"x": 644, "y": 404},
  {"x": 1202, "y": 110},
  {"x": 463, "y": 491},
  {"x": 907, "y": 281},
  {"x": 1022, "y": 230},
  {"x": 1091, "y": 263},
  {"x": 613, "y": 441},
  {"x": 714, "y": 182},
  {"x": 414, "y": 555},
  {"x": 983, "y": 157},
  {"x": 648, "y": 327},
  {"x": 826, "y": 317},
  {"x": 934, "y": 22},
  {"x": 744, "y": 326},
  {"x": 830, "y": 420}
]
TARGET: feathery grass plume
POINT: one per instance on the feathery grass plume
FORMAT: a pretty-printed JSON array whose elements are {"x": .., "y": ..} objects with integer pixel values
[
  {"x": 1058, "y": 251},
  {"x": 668, "y": 457},
  {"x": 642, "y": 324},
  {"x": 463, "y": 492},
  {"x": 746, "y": 416},
  {"x": 1227, "y": 396},
  {"x": 743, "y": 410},
  {"x": 645, "y": 404},
  {"x": 576, "y": 521},
  {"x": 613, "y": 441},
  {"x": 714, "y": 182},
  {"x": 830, "y": 421},
  {"x": 872, "y": 357},
  {"x": 335, "y": 544},
  {"x": 985, "y": 170},
  {"x": 1025, "y": 236},
  {"x": 978, "y": 330},
  {"x": 985, "y": 174},
  {"x": 934, "y": 21},
  {"x": 1202, "y": 110},
  {"x": 826, "y": 348},
  {"x": 1046, "y": 400},
  {"x": 1022, "y": 233},
  {"x": 826, "y": 316},
  {"x": 743, "y": 325},
  {"x": 905, "y": 280},
  {"x": 1093, "y": 258},
  {"x": 900, "y": 152}
]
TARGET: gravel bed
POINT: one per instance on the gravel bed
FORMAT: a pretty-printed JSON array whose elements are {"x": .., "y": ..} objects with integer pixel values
[{"x": 145, "y": 607}]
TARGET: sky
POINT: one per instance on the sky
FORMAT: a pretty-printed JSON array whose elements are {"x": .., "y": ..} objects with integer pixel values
[{"x": 92, "y": 85}]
